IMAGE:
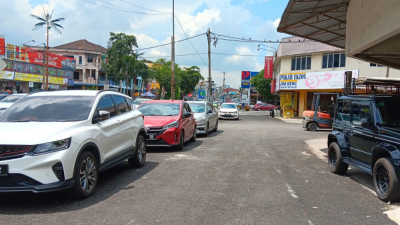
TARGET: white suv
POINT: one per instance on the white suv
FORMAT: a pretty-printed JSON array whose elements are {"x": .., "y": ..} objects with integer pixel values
[{"x": 52, "y": 141}]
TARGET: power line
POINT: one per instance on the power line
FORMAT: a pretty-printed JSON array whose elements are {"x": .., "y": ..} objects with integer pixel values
[
  {"x": 190, "y": 41},
  {"x": 121, "y": 10},
  {"x": 257, "y": 41},
  {"x": 215, "y": 53},
  {"x": 144, "y": 7},
  {"x": 170, "y": 43}
]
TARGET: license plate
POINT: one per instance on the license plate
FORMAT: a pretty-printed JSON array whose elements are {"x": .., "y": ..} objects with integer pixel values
[
  {"x": 3, "y": 170},
  {"x": 227, "y": 114},
  {"x": 152, "y": 137}
]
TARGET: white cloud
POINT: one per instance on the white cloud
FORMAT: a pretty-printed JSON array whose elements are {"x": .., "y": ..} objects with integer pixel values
[{"x": 93, "y": 23}]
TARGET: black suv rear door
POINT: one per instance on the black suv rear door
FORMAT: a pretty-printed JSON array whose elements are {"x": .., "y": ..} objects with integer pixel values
[{"x": 361, "y": 139}]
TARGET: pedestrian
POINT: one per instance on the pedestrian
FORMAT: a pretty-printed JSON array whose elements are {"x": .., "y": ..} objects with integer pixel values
[
  {"x": 21, "y": 91},
  {"x": 14, "y": 89}
]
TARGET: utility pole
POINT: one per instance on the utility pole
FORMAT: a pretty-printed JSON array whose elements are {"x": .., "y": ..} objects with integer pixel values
[
  {"x": 223, "y": 88},
  {"x": 173, "y": 53},
  {"x": 209, "y": 65},
  {"x": 47, "y": 59}
]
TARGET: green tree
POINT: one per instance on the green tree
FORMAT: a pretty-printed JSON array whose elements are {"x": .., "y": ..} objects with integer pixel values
[
  {"x": 123, "y": 61},
  {"x": 47, "y": 20},
  {"x": 162, "y": 74},
  {"x": 189, "y": 78},
  {"x": 262, "y": 85}
]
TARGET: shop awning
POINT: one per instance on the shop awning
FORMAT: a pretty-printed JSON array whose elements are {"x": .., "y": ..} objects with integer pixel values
[{"x": 320, "y": 20}]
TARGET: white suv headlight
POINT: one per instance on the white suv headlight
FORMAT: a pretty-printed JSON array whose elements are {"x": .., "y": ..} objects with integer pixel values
[
  {"x": 171, "y": 125},
  {"x": 53, "y": 146}
]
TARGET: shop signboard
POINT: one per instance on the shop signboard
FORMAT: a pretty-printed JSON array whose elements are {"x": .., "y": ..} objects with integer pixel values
[
  {"x": 268, "y": 69},
  {"x": 39, "y": 78},
  {"x": 202, "y": 94},
  {"x": 245, "y": 84},
  {"x": 6, "y": 75},
  {"x": 314, "y": 80},
  {"x": 71, "y": 82},
  {"x": 57, "y": 61}
]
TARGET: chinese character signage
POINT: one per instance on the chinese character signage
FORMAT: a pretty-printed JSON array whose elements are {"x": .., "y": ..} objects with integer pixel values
[
  {"x": 268, "y": 69},
  {"x": 314, "y": 80}
]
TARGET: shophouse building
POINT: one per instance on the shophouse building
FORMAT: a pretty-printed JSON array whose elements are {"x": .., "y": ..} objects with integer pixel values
[
  {"x": 26, "y": 69},
  {"x": 303, "y": 67},
  {"x": 89, "y": 57}
]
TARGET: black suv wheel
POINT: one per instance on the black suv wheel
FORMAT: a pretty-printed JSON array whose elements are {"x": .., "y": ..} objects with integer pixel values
[
  {"x": 385, "y": 180},
  {"x": 336, "y": 164}
]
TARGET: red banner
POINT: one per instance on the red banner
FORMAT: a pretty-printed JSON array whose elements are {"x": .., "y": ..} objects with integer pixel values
[
  {"x": 57, "y": 61},
  {"x": 273, "y": 86},
  {"x": 2, "y": 45},
  {"x": 269, "y": 67}
]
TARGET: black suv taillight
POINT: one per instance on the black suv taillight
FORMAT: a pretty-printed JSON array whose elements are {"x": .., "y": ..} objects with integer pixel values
[{"x": 59, "y": 171}]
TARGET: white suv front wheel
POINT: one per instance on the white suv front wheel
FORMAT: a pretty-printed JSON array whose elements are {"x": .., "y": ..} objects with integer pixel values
[{"x": 86, "y": 176}]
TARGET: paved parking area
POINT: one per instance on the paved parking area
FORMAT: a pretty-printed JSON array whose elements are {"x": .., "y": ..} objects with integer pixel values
[{"x": 257, "y": 170}]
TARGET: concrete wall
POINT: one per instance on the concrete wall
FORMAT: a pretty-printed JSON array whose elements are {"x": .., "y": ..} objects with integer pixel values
[{"x": 370, "y": 22}]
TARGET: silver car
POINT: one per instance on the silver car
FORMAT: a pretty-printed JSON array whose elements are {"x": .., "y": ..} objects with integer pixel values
[
  {"x": 206, "y": 116},
  {"x": 6, "y": 102}
]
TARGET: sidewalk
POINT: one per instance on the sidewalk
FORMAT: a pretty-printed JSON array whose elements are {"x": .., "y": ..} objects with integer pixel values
[{"x": 290, "y": 120}]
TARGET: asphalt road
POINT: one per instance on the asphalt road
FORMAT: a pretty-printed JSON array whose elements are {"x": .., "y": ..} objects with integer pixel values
[{"x": 257, "y": 170}]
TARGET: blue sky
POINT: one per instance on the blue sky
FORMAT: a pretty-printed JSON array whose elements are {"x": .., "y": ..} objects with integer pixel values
[{"x": 256, "y": 19}]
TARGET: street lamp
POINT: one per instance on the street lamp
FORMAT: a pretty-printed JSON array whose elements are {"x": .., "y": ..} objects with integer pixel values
[
  {"x": 258, "y": 49},
  {"x": 268, "y": 46}
]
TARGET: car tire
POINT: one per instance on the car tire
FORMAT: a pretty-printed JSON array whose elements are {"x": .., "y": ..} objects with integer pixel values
[
  {"x": 216, "y": 127},
  {"x": 194, "y": 137},
  {"x": 139, "y": 157},
  {"x": 335, "y": 160},
  {"x": 181, "y": 142},
  {"x": 258, "y": 109},
  {"x": 385, "y": 180},
  {"x": 313, "y": 126},
  {"x": 207, "y": 130},
  {"x": 86, "y": 176}
]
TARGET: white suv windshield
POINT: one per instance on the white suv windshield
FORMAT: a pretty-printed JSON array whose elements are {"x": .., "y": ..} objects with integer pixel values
[{"x": 49, "y": 109}]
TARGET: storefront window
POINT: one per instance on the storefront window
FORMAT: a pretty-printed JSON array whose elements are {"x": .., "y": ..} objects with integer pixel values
[
  {"x": 301, "y": 62},
  {"x": 52, "y": 71},
  {"x": 39, "y": 69},
  {"x": 333, "y": 60},
  {"x": 60, "y": 72},
  {"x": 69, "y": 74}
]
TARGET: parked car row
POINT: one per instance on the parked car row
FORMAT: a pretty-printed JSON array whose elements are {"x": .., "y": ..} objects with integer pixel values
[{"x": 62, "y": 140}]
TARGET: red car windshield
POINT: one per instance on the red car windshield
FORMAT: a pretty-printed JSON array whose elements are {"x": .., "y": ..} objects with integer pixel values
[{"x": 160, "y": 109}]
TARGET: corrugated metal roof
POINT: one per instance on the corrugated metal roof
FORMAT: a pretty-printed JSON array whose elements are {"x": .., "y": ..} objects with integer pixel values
[{"x": 319, "y": 20}]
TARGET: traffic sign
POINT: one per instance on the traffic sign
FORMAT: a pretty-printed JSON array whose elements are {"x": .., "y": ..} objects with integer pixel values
[{"x": 2, "y": 64}]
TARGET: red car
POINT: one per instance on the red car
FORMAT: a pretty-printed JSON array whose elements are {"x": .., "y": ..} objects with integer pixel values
[
  {"x": 264, "y": 107},
  {"x": 169, "y": 123}
]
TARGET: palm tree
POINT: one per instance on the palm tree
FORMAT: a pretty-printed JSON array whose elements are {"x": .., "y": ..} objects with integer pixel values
[{"x": 46, "y": 20}]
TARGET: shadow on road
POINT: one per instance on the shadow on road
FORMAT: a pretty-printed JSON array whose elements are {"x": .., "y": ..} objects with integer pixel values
[
  {"x": 357, "y": 175},
  {"x": 116, "y": 179},
  {"x": 188, "y": 147},
  {"x": 211, "y": 134}
]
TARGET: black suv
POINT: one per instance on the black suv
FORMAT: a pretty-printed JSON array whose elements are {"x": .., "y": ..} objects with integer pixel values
[{"x": 366, "y": 135}]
